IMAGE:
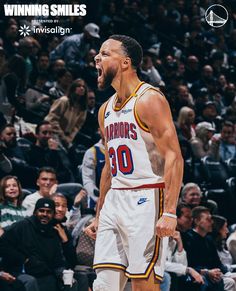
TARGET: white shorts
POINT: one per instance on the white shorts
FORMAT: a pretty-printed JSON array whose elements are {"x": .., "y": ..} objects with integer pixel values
[{"x": 126, "y": 237}]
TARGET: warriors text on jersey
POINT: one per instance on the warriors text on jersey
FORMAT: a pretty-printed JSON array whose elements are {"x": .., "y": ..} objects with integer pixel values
[{"x": 134, "y": 158}]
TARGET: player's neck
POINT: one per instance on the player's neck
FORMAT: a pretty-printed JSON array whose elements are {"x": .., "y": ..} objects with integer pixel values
[{"x": 125, "y": 86}]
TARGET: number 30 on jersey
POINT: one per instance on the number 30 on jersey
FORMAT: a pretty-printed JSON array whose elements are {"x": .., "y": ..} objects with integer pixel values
[{"x": 121, "y": 160}]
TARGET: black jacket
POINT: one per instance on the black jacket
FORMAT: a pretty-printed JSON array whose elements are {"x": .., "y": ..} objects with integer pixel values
[
  {"x": 31, "y": 247},
  {"x": 201, "y": 252}
]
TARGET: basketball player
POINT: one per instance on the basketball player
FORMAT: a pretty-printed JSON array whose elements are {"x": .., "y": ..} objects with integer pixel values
[{"x": 143, "y": 157}]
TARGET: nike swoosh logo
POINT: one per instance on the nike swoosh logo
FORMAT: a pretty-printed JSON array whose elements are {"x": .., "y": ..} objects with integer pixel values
[{"x": 142, "y": 200}]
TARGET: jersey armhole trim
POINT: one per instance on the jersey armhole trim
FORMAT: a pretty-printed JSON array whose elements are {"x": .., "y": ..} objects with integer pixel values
[
  {"x": 137, "y": 118},
  {"x": 104, "y": 110}
]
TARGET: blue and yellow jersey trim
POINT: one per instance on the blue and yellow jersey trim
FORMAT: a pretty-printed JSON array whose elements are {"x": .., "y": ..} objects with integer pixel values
[
  {"x": 137, "y": 118},
  {"x": 133, "y": 94},
  {"x": 104, "y": 111}
]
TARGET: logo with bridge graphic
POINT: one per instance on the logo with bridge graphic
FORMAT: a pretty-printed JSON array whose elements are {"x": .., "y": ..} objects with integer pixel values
[{"x": 216, "y": 15}]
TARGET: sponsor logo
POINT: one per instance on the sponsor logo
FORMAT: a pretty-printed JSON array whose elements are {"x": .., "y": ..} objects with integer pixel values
[
  {"x": 125, "y": 111},
  {"x": 24, "y": 30},
  {"x": 142, "y": 200},
  {"x": 216, "y": 15},
  {"x": 107, "y": 114}
]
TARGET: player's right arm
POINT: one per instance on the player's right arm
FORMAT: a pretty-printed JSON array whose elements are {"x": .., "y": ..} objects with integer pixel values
[{"x": 105, "y": 181}]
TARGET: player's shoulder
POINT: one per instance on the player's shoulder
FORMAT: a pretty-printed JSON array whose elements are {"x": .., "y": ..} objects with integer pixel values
[{"x": 150, "y": 94}]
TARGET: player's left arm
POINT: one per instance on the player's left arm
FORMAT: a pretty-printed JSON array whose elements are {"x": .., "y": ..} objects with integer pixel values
[{"x": 154, "y": 111}]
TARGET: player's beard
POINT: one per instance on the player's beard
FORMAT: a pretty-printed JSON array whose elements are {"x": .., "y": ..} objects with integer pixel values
[{"x": 107, "y": 79}]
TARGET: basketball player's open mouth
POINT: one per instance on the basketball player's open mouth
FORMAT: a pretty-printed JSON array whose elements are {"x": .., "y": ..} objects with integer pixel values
[{"x": 99, "y": 72}]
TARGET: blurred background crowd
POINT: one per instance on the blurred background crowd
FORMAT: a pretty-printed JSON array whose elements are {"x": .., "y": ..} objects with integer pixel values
[{"x": 50, "y": 142}]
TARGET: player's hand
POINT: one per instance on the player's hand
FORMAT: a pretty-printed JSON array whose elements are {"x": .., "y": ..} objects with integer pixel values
[
  {"x": 91, "y": 230},
  {"x": 166, "y": 226}
]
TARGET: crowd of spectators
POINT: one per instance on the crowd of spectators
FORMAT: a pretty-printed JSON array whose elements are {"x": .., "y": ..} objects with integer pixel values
[{"x": 51, "y": 147}]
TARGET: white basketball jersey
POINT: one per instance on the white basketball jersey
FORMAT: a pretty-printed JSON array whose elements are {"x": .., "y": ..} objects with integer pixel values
[{"x": 134, "y": 159}]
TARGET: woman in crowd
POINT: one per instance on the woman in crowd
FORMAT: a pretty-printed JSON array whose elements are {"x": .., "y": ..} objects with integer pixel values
[
  {"x": 11, "y": 197},
  {"x": 185, "y": 122},
  {"x": 219, "y": 233},
  {"x": 68, "y": 113}
]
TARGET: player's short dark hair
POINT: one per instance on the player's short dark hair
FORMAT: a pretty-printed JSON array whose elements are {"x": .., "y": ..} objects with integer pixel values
[{"x": 131, "y": 47}]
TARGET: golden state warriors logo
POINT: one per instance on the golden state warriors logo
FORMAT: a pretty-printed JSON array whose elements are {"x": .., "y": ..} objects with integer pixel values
[{"x": 216, "y": 15}]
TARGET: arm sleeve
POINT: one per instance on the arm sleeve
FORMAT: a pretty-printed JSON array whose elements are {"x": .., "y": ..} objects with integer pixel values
[
  {"x": 180, "y": 257},
  {"x": 176, "y": 268}
]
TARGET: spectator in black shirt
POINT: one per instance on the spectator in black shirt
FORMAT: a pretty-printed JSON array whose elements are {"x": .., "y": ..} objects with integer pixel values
[
  {"x": 31, "y": 247},
  {"x": 202, "y": 253}
]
